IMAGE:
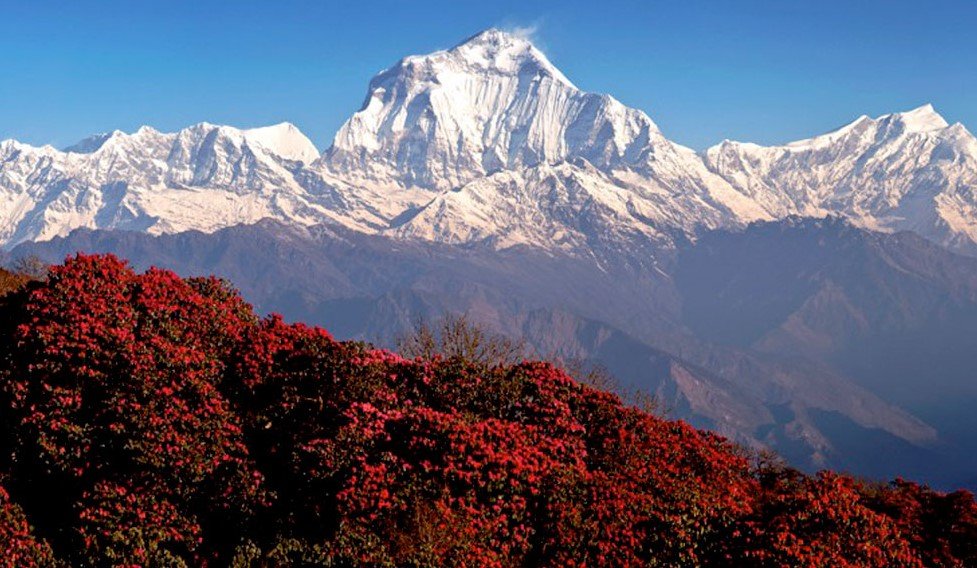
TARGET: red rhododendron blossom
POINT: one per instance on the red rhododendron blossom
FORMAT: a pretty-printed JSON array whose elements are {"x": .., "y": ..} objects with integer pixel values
[{"x": 150, "y": 420}]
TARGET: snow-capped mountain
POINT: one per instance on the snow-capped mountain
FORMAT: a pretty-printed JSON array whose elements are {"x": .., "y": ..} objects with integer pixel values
[
  {"x": 572, "y": 212},
  {"x": 904, "y": 171},
  {"x": 492, "y": 103},
  {"x": 204, "y": 177},
  {"x": 506, "y": 149},
  {"x": 488, "y": 142}
]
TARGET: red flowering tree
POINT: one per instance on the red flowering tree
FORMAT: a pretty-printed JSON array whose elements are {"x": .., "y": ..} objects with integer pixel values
[
  {"x": 941, "y": 527},
  {"x": 820, "y": 521},
  {"x": 113, "y": 386},
  {"x": 152, "y": 420}
]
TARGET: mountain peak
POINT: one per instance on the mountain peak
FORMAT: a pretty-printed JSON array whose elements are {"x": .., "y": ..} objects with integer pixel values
[
  {"x": 492, "y": 50},
  {"x": 494, "y": 36},
  {"x": 285, "y": 140},
  {"x": 490, "y": 103},
  {"x": 94, "y": 142},
  {"x": 920, "y": 119},
  {"x": 495, "y": 42}
]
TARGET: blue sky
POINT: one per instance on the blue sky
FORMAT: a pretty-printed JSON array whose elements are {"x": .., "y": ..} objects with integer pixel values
[{"x": 766, "y": 71}]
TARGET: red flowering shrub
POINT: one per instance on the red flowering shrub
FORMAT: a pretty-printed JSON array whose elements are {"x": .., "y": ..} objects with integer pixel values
[
  {"x": 113, "y": 377},
  {"x": 19, "y": 548},
  {"x": 151, "y": 420},
  {"x": 940, "y": 527},
  {"x": 132, "y": 526},
  {"x": 822, "y": 521}
]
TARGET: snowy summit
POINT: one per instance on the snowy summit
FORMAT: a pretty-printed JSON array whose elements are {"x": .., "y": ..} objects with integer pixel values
[{"x": 488, "y": 142}]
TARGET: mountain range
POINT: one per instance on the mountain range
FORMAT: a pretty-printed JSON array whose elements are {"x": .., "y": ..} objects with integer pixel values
[
  {"x": 489, "y": 142},
  {"x": 818, "y": 298}
]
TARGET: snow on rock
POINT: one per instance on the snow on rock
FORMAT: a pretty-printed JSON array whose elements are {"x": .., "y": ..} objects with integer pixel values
[
  {"x": 902, "y": 171},
  {"x": 488, "y": 142},
  {"x": 284, "y": 140},
  {"x": 482, "y": 124},
  {"x": 204, "y": 177},
  {"x": 491, "y": 103}
]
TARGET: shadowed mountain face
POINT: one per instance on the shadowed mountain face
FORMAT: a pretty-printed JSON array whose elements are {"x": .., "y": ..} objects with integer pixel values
[
  {"x": 835, "y": 346},
  {"x": 893, "y": 313}
]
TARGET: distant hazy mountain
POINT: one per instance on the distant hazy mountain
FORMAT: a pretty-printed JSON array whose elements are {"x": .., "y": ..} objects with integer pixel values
[{"x": 792, "y": 335}]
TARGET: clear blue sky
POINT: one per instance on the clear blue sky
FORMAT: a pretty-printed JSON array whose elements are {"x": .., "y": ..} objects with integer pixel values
[{"x": 760, "y": 71}]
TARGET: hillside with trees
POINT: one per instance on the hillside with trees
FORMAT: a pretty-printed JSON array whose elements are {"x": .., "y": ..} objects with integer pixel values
[{"x": 151, "y": 420}]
